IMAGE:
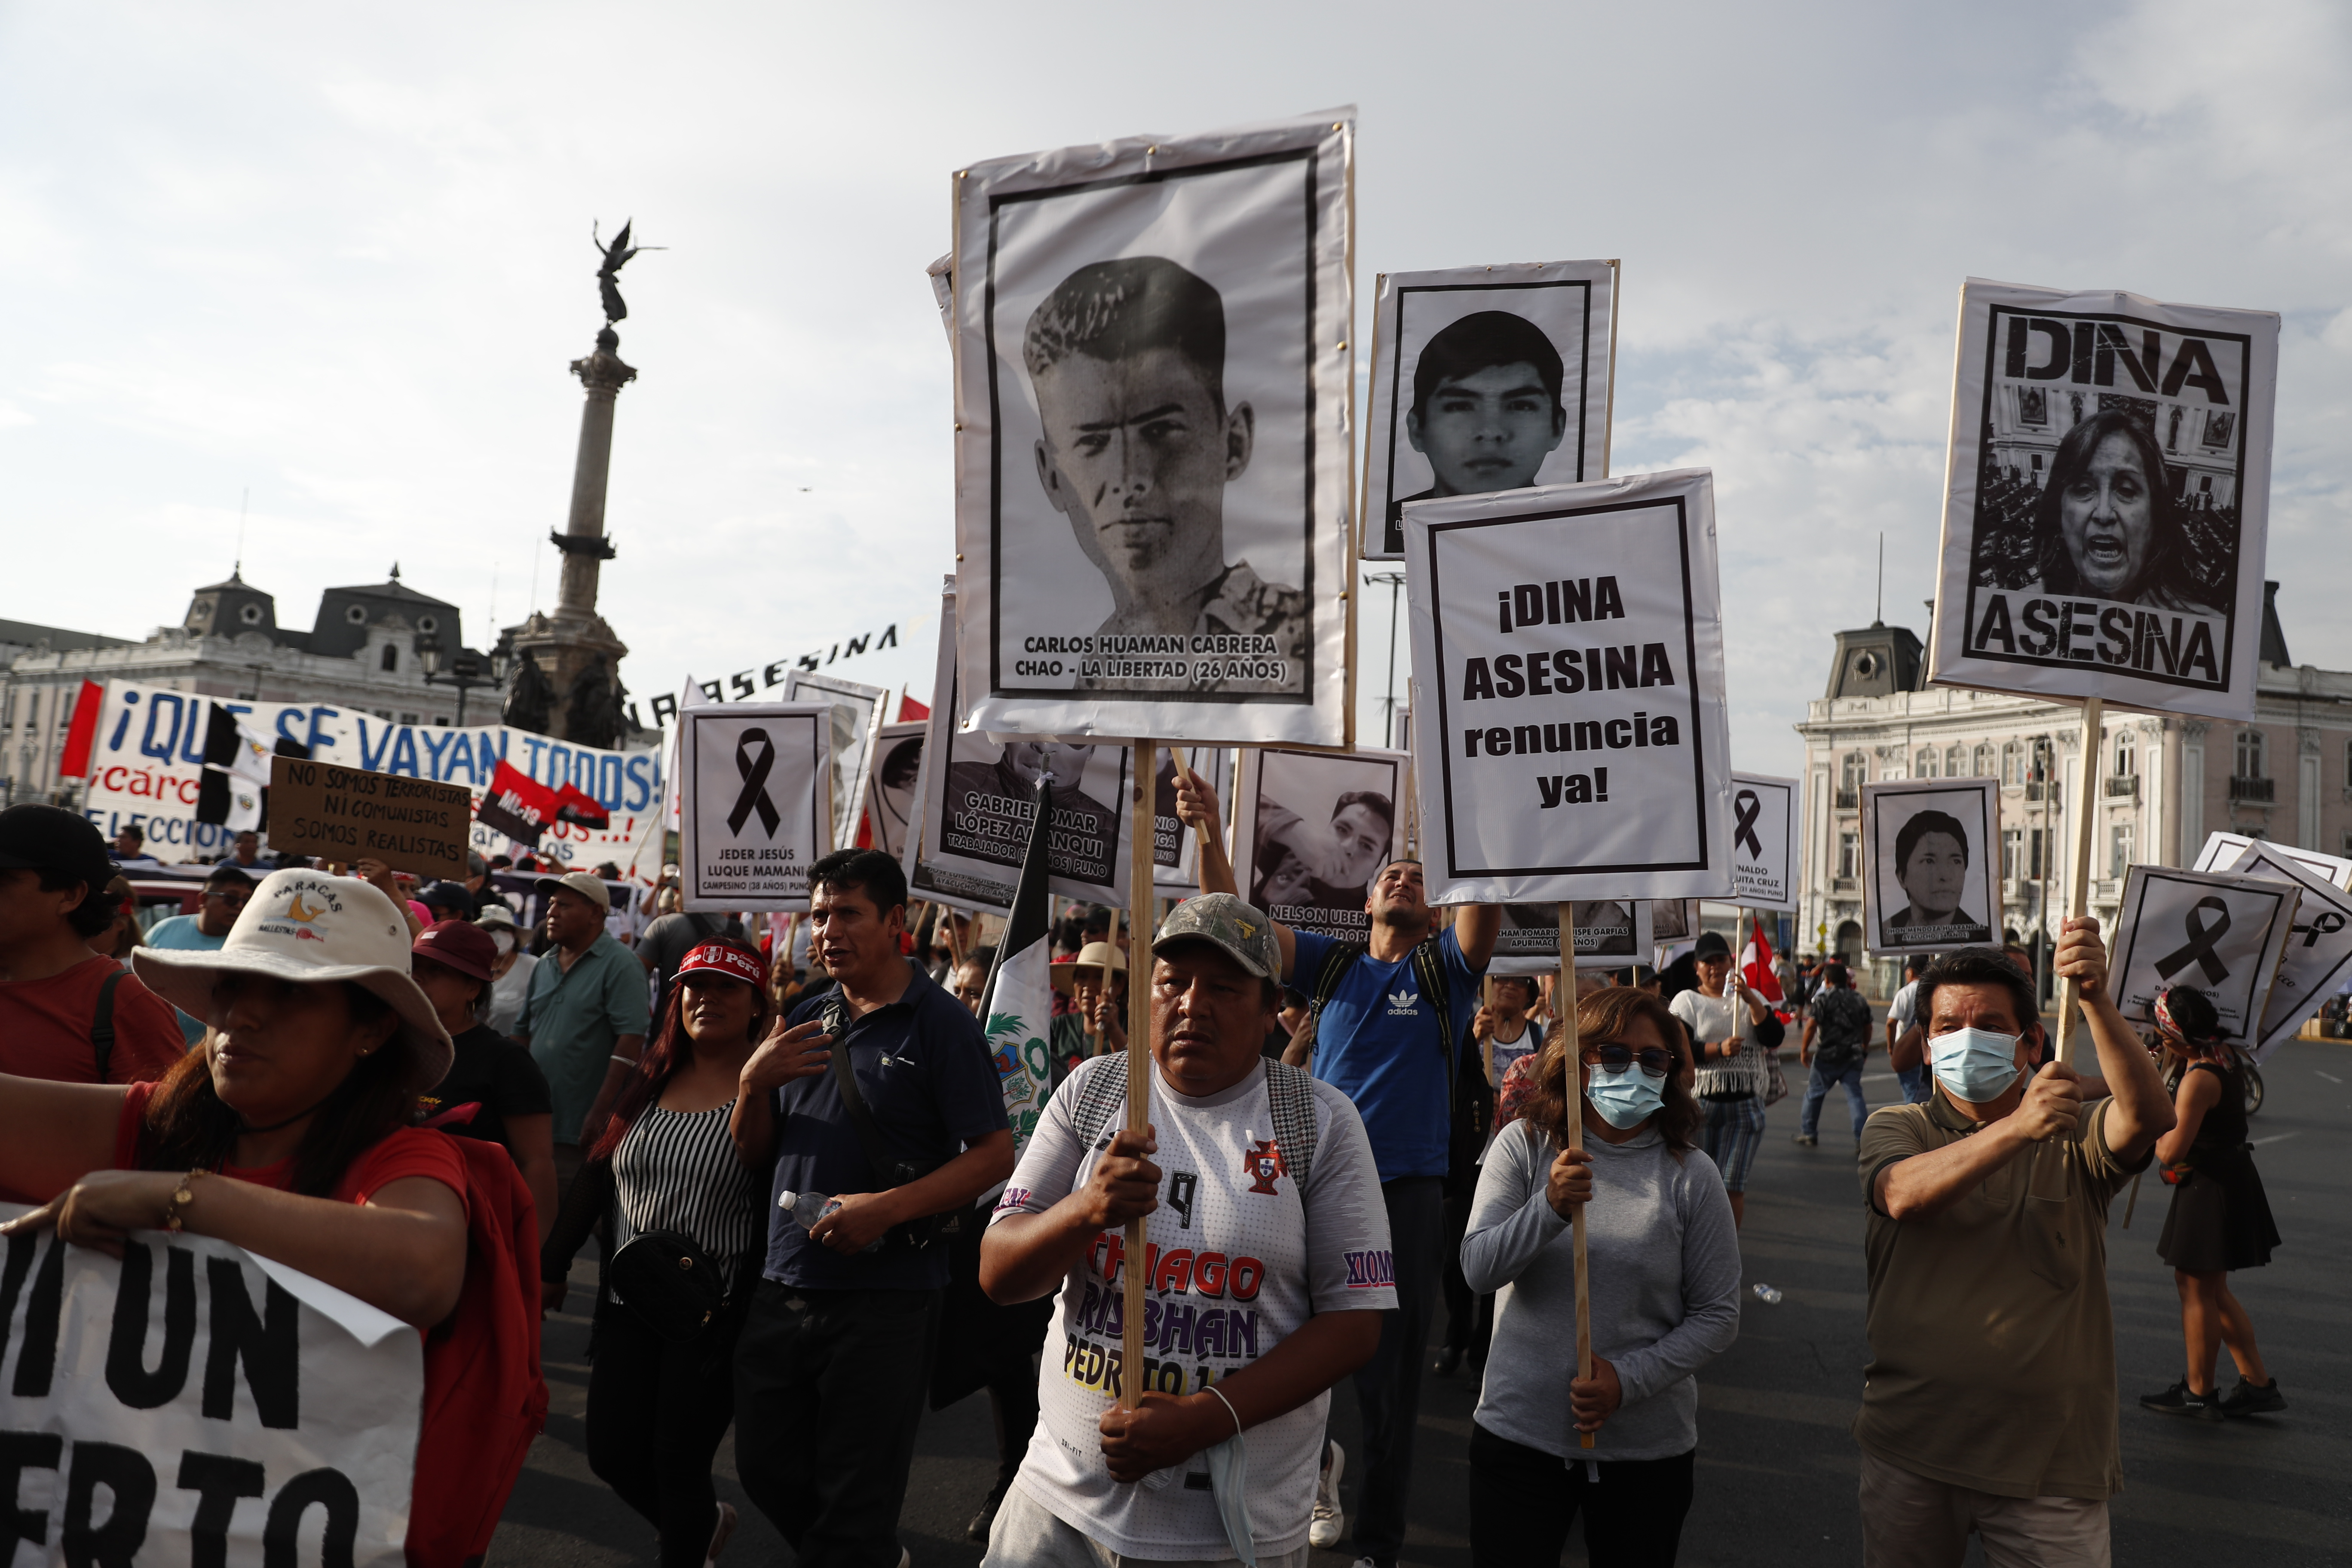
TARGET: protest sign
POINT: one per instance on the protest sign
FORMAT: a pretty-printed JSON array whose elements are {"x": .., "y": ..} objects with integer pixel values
[
  {"x": 2223, "y": 851},
  {"x": 1764, "y": 841},
  {"x": 858, "y": 712},
  {"x": 349, "y": 814},
  {"x": 1932, "y": 871},
  {"x": 2319, "y": 944},
  {"x": 2106, "y": 500},
  {"x": 738, "y": 687},
  {"x": 1573, "y": 742},
  {"x": 1153, "y": 415},
  {"x": 147, "y": 762},
  {"x": 892, "y": 786},
  {"x": 230, "y": 1411},
  {"x": 1311, "y": 832},
  {"x": 1174, "y": 851},
  {"x": 755, "y": 804},
  {"x": 1483, "y": 379},
  {"x": 2223, "y": 934},
  {"x": 1671, "y": 920},
  {"x": 1611, "y": 934}
]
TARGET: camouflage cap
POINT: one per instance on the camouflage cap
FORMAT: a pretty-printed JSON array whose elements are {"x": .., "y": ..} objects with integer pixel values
[{"x": 1232, "y": 925}]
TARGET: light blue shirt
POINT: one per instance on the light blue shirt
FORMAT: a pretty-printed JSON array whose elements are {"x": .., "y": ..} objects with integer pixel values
[{"x": 180, "y": 934}]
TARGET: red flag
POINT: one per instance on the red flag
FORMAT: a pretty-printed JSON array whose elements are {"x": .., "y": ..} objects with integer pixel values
[
  {"x": 1756, "y": 965},
  {"x": 517, "y": 805},
  {"x": 83, "y": 733},
  {"x": 574, "y": 804},
  {"x": 910, "y": 709}
]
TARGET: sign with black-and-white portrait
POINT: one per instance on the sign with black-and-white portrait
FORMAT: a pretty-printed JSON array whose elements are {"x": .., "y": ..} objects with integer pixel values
[
  {"x": 2223, "y": 934},
  {"x": 1932, "y": 871},
  {"x": 1673, "y": 919},
  {"x": 1764, "y": 841},
  {"x": 1483, "y": 379},
  {"x": 1174, "y": 848},
  {"x": 2224, "y": 851},
  {"x": 755, "y": 803},
  {"x": 1311, "y": 832},
  {"x": 892, "y": 786},
  {"x": 2318, "y": 957},
  {"x": 1611, "y": 934},
  {"x": 2106, "y": 499},
  {"x": 1153, "y": 435},
  {"x": 1568, "y": 672},
  {"x": 858, "y": 712}
]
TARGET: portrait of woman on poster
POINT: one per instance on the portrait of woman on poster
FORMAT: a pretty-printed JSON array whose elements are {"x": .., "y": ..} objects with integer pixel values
[{"x": 2108, "y": 522}]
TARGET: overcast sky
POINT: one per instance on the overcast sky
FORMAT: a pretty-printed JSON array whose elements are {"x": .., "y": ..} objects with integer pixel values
[{"x": 339, "y": 256}]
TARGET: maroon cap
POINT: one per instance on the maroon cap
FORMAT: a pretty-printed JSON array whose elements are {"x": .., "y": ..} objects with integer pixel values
[{"x": 460, "y": 945}]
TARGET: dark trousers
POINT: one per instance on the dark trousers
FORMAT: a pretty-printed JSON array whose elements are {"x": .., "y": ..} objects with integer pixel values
[
  {"x": 1523, "y": 1499},
  {"x": 1388, "y": 1386},
  {"x": 657, "y": 1412},
  {"x": 829, "y": 1385},
  {"x": 1469, "y": 1316}
]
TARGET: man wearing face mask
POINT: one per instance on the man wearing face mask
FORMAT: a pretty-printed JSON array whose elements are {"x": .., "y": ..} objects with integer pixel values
[{"x": 1988, "y": 1405}]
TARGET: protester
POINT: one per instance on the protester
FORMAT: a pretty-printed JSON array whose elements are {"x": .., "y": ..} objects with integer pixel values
[
  {"x": 1729, "y": 1033},
  {"x": 668, "y": 939},
  {"x": 1836, "y": 1042},
  {"x": 829, "y": 1371},
  {"x": 1906, "y": 1041},
  {"x": 968, "y": 981},
  {"x": 1663, "y": 1259},
  {"x": 67, "y": 1013},
  {"x": 584, "y": 1018},
  {"x": 245, "y": 854},
  {"x": 1096, "y": 1024},
  {"x": 224, "y": 898},
  {"x": 664, "y": 1175},
  {"x": 289, "y": 1133},
  {"x": 493, "y": 1090},
  {"x": 511, "y": 974},
  {"x": 122, "y": 934},
  {"x": 130, "y": 846},
  {"x": 448, "y": 901},
  {"x": 1387, "y": 1019},
  {"x": 1988, "y": 1405},
  {"x": 2220, "y": 1220},
  {"x": 1501, "y": 1034},
  {"x": 1283, "y": 1196}
]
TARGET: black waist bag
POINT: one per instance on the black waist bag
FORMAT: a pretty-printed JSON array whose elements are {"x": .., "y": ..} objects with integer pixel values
[{"x": 669, "y": 1282}]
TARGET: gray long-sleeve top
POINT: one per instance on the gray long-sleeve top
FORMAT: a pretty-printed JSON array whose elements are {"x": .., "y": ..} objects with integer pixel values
[{"x": 1664, "y": 1261}]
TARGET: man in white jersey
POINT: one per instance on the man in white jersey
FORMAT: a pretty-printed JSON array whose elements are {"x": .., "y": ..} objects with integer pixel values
[{"x": 1268, "y": 1270}]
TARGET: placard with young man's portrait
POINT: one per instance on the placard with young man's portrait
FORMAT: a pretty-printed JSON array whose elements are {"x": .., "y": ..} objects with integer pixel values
[
  {"x": 1312, "y": 831},
  {"x": 1153, "y": 428},
  {"x": 1932, "y": 866},
  {"x": 1485, "y": 378},
  {"x": 1611, "y": 934},
  {"x": 2106, "y": 499}
]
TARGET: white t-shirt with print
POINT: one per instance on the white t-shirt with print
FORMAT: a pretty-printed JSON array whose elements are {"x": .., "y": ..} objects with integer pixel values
[{"x": 1237, "y": 1262}]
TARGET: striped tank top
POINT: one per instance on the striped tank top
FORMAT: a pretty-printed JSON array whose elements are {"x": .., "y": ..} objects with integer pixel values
[{"x": 676, "y": 1170}]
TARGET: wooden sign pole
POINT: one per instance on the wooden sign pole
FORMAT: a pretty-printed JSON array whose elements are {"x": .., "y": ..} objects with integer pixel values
[
  {"x": 1574, "y": 1054},
  {"x": 1138, "y": 1056},
  {"x": 1488, "y": 999},
  {"x": 2078, "y": 868}
]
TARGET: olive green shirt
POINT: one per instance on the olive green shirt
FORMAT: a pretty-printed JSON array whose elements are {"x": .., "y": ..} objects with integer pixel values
[{"x": 1993, "y": 1348}]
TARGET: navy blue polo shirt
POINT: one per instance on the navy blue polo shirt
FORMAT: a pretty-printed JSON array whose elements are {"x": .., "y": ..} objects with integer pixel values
[{"x": 924, "y": 1070}]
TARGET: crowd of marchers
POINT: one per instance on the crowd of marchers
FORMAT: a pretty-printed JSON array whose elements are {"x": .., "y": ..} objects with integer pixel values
[{"x": 813, "y": 1220}]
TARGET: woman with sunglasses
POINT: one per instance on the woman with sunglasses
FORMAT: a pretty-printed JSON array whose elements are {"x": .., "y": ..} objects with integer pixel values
[
  {"x": 1664, "y": 1262},
  {"x": 658, "y": 1406}
]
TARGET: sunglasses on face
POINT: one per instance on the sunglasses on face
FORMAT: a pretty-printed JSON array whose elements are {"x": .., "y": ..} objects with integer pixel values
[
  {"x": 1655, "y": 1062},
  {"x": 235, "y": 901}
]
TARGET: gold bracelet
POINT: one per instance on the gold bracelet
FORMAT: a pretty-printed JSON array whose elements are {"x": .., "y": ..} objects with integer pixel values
[{"x": 186, "y": 1194}]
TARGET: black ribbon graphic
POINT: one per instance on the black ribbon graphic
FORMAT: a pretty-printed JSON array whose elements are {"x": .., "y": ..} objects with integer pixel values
[
  {"x": 2200, "y": 949},
  {"x": 1747, "y": 808},
  {"x": 2326, "y": 923},
  {"x": 754, "y": 775}
]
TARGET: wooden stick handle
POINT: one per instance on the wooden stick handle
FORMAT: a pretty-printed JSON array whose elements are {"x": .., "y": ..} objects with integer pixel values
[
  {"x": 2078, "y": 870},
  {"x": 1574, "y": 1054},
  {"x": 1139, "y": 1056}
]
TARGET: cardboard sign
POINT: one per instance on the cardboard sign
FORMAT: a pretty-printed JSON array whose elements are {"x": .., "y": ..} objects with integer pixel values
[
  {"x": 1483, "y": 379},
  {"x": 2222, "y": 852},
  {"x": 190, "y": 1403},
  {"x": 348, "y": 814},
  {"x": 1932, "y": 865},
  {"x": 1182, "y": 306},
  {"x": 1611, "y": 934},
  {"x": 1765, "y": 841},
  {"x": 1573, "y": 738},
  {"x": 2225, "y": 935},
  {"x": 755, "y": 803},
  {"x": 1312, "y": 831},
  {"x": 2106, "y": 500},
  {"x": 2319, "y": 944}
]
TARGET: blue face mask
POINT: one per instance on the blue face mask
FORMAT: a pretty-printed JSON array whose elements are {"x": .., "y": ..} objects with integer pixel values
[
  {"x": 1974, "y": 1064},
  {"x": 1624, "y": 1098}
]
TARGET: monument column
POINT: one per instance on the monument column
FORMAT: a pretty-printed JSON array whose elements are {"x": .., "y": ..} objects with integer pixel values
[{"x": 585, "y": 548}]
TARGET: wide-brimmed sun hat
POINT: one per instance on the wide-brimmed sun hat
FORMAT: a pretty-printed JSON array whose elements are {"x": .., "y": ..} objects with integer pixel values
[
  {"x": 1094, "y": 955},
  {"x": 309, "y": 929}
]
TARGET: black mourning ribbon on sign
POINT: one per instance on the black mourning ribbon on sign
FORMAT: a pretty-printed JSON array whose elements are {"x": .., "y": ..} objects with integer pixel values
[
  {"x": 1747, "y": 808},
  {"x": 2326, "y": 923},
  {"x": 2199, "y": 947},
  {"x": 754, "y": 772}
]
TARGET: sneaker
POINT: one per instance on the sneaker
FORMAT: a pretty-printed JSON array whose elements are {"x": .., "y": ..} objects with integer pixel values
[
  {"x": 1806, "y": 1139},
  {"x": 2179, "y": 1400},
  {"x": 2253, "y": 1399},
  {"x": 1325, "y": 1528},
  {"x": 1449, "y": 1360},
  {"x": 718, "y": 1536}
]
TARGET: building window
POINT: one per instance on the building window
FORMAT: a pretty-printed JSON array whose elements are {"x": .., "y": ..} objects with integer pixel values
[
  {"x": 1983, "y": 761},
  {"x": 391, "y": 657},
  {"x": 356, "y": 615},
  {"x": 408, "y": 718},
  {"x": 2126, "y": 756},
  {"x": 2250, "y": 755},
  {"x": 1854, "y": 773},
  {"x": 428, "y": 625},
  {"x": 2012, "y": 853},
  {"x": 1955, "y": 762},
  {"x": 2119, "y": 849},
  {"x": 250, "y": 614},
  {"x": 1849, "y": 854},
  {"x": 1926, "y": 763},
  {"x": 2013, "y": 763}
]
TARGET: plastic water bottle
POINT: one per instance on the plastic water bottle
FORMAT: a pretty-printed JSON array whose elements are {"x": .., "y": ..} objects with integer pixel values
[
  {"x": 1769, "y": 1295},
  {"x": 807, "y": 1208}
]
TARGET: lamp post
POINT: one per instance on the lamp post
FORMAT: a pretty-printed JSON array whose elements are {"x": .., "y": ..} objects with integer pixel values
[{"x": 466, "y": 670}]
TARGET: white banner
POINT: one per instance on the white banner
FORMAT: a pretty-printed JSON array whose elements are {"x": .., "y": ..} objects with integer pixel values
[
  {"x": 1312, "y": 831},
  {"x": 2223, "y": 851},
  {"x": 184, "y": 1406},
  {"x": 1484, "y": 379},
  {"x": 1764, "y": 841},
  {"x": 2107, "y": 495},
  {"x": 2319, "y": 944},
  {"x": 1153, "y": 415},
  {"x": 2225, "y": 935},
  {"x": 147, "y": 762},
  {"x": 1931, "y": 865},
  {"x": 1573, "y": 739},
  {"x": 755, "y": 788},
  {"x": 1611, "y": 934}
]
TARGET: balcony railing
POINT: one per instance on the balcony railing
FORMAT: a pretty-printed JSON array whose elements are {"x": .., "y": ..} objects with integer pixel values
[
  {"x": 2122, "y": 786},
  {"x": 1848, "y": 799},
  {"x": 2035, "y": 789},
  {"x": 2254, "y": 791},
  {"x": 1842, "y": 884}
]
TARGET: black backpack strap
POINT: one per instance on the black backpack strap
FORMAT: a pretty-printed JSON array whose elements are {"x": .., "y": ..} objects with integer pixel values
[
  {"x": 1336, "y": 964},
  {"x": 101, "y": 1023},
  {"x": 887, "y": 1171},
  {"x": 1291, "y": 1092}
]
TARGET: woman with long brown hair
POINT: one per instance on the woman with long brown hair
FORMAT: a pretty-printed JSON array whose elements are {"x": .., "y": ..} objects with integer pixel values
[
  {"x": 664, "y": 1175},
  {"x": 1663, "y": 1264}
]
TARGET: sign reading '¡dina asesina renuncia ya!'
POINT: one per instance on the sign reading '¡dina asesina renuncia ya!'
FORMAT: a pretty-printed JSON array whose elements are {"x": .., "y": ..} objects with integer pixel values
[{"x": 1568, "y": 640}]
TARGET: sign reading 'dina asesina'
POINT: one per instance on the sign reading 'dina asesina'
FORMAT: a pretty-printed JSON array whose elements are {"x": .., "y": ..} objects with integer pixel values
[{"x": 347, "y": 814}]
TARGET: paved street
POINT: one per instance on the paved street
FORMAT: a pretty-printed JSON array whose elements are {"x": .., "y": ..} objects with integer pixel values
[{"x": 1776, "y": 1468}]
